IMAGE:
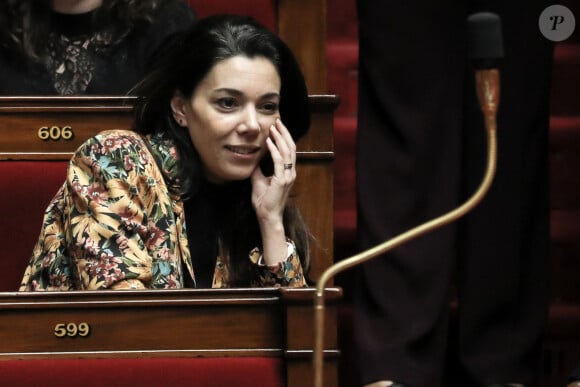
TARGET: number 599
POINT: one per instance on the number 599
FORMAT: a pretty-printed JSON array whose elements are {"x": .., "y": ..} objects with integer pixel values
[{"x": 72, "y": 330}]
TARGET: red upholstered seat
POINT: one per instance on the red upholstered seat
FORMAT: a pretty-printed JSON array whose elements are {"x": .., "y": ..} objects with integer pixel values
[
  {"x": 175, "y": 372},
  {"x": 27, "y": 188}
]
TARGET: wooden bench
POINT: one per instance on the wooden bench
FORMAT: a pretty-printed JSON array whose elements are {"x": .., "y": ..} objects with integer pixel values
[
  {"x": 242, "y": 337},
  {"x": 218, "y": 337},
  {"x": 251, "y": 333}
]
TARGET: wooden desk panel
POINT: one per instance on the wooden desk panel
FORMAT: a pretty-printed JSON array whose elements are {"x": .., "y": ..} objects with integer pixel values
[
  {"x": 22, "y": 118},
  {"x": 172, "y": 323}
]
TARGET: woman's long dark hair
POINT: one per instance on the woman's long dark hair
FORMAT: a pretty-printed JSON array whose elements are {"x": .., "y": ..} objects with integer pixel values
[
  {"x": 208, "y": 42},
  {"x": 25, "y": 24}
]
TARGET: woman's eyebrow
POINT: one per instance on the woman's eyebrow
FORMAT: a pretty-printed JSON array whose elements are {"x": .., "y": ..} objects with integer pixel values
[
  {"x": 228, "y": 91},
  {"x": 238, "y": 93},
  {"x": 271, "y": 95}
]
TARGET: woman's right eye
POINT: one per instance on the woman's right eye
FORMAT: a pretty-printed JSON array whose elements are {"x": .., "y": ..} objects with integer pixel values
[{"x": 227, "y": 103}]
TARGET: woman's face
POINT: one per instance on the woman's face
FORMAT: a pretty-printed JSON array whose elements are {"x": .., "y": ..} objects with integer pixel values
[{"x": 229, "y": 116}]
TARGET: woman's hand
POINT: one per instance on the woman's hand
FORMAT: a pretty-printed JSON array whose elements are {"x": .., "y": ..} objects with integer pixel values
[{"x": 270, "y": 194}]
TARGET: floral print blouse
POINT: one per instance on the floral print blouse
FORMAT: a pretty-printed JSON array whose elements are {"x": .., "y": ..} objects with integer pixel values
[{"x": 114, "y": 224}]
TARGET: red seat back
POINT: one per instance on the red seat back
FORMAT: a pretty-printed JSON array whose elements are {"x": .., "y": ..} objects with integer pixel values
[
  {"x": 263, "y": 11},
  {"x": 27, "y": 188}
]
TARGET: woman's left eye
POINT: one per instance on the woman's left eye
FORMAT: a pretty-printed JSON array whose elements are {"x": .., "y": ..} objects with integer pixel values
[{"x": 270, "y": 107}]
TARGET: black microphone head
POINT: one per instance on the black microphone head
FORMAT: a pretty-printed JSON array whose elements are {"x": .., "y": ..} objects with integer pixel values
[{"x": 485, "y": 39}]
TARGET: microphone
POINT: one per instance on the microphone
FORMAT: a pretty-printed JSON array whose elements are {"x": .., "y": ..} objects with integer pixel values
[
  {"x": 485, "y": 44},
  {"x": 485, "y": 51}
]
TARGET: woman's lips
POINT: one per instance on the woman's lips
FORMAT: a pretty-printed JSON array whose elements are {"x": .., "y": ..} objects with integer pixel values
[{"x": 242, "y": 150}]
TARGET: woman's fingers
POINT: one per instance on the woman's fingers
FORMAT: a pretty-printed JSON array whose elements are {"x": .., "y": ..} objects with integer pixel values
[
  {"x": 283, "y": 151},
  {"x": 289, "y": 141}
]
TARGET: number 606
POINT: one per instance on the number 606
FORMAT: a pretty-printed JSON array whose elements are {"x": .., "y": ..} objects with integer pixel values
[
  {"x": 71, "y": 329},
  {"x": 55, "y": 133}
]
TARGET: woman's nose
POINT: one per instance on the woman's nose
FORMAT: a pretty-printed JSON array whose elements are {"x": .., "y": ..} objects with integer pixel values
[{"x": 250, "y": 122}]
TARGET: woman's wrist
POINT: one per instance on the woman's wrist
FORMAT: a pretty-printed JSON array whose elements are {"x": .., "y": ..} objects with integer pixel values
[
  {"x": 273, "y": 242},
  {"x": 283, "y": 258},
  {"x": 271, "y": 222}
]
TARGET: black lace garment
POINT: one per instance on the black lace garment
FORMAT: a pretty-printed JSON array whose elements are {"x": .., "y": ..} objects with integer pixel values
[
  {"x": 88, "y": 54},
  {"x": 73, "y": 49}
]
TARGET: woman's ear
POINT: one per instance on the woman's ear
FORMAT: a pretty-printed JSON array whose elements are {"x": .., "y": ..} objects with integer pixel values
[{"x": 178, "y": 109}]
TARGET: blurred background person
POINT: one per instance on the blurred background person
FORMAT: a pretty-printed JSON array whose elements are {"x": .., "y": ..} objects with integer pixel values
[
  {"x": 73, "y": 47},
  {"x": 420, "y": 153}
]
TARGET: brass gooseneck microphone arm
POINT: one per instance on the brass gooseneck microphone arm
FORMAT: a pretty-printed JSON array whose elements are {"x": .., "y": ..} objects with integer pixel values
[{"x": 489, "y": 98}]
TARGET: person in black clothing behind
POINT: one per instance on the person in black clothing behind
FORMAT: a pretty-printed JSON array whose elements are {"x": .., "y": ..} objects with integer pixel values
[
  {"x": 420, "y": 153},
  {"x": 64, "y": 47}
]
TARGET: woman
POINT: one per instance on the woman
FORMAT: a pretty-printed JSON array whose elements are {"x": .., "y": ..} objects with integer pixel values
[
  {"x": 208, "y": 150},
  {"x": 72, "y": 47}
]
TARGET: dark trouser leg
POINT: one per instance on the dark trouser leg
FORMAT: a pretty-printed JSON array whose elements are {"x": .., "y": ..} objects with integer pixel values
[
  {"x": 408, "y": 154},
  {"x": 504, "y": 242}
]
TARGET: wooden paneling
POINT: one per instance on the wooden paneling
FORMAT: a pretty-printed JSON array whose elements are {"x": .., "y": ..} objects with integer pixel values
[
  {"x": 302, "y": 25},
  {"x": 180, "y": 323},
  {"x": 22, "y": 120}
]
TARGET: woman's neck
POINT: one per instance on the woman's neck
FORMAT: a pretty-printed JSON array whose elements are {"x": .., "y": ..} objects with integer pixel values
[{"x": 75, "y": 6}]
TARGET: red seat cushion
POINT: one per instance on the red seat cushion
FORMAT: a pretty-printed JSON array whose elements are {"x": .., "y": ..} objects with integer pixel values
[
  {"x": 263, "y": 11},
  {"x": 175, "y": 372}
]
